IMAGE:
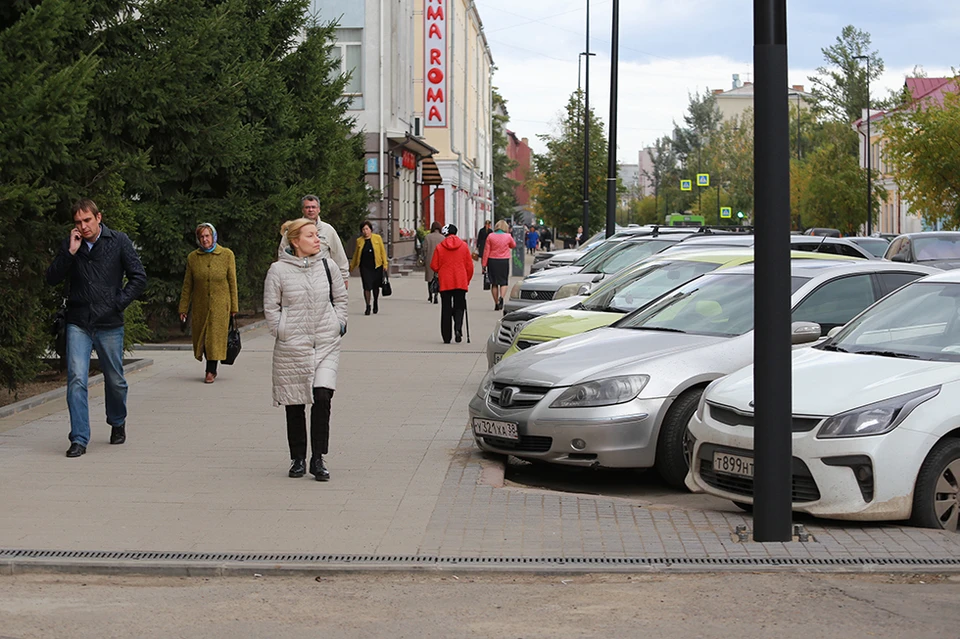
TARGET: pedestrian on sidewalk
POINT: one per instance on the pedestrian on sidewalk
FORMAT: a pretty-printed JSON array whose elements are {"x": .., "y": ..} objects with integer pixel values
[
  {"x": 94, "y": 259},
  {"x": 533, "y": 240},
  {"x": 371, "y": 256},
  {"x": 496, "y": 261},
  {"x": 210, "y": 288},
  {"x": 454, "y": 267},
  {"x": 430, "y": 244},
  {"x": 482, "y": 237},
  {"x": 305, "y": 304},
  {"x": 546, "y": 238},
  {"x": 330, "y": 245}
]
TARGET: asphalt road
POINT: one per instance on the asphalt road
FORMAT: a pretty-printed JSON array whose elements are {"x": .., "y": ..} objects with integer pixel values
[{"x": 494, "y": 605}]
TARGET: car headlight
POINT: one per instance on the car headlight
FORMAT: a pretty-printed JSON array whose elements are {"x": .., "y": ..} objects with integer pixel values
[
  {"x": 567, "y": 290},
  {"x": 875, "y": 419},
  {"x": 515, "y": 291},
  {"x": 602, "y": 392},
  {"x": 703, "y": 398},
  {"x": 485, "y": 385}
]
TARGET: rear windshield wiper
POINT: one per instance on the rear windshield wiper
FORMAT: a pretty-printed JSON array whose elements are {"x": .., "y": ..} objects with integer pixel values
[{"x": 888, "y": 354}]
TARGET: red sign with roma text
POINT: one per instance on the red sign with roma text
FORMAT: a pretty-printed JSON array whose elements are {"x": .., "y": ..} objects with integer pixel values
[{"x": 435, "y": 63}]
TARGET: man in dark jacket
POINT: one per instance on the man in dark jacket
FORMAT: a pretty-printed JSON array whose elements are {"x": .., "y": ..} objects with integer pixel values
[
  {"x": 482, "y": 238},
  {"x": 94, "y": 260}
]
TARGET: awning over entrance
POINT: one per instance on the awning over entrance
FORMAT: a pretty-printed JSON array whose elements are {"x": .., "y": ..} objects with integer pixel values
[
  {"x": 430, "y": 172},
  {"x": 413, "y": 144}
]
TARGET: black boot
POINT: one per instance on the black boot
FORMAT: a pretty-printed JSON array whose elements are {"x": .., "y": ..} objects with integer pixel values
[
  {"x": 318, "y": 469},
  {"x": 376, "y": 306},
  {"x": 367, "y": 312},
  {"x": 297, "y": 468}
]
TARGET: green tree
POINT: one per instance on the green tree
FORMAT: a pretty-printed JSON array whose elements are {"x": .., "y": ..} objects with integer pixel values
[
  {"x": 923, "y": 146},
  {"x": 702, "y": 119},
  {"x": 504, "y": 194},
  {"x": 840, "y": 86},
  {"x": 729, "y": 159},
  {"x": 560, "y": 172},
  {"x": 642, "y": 211},
  {"x": 829, "y": 189}
]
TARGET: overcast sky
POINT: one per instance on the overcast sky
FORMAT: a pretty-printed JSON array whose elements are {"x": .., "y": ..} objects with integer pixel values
[{"x": 670, "y": 49}]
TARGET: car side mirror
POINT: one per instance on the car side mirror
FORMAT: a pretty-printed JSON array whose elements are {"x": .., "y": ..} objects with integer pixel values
[
  {"x": 804, "y": 332},
  {"x": 899, "y": 257},
  {"x": 584, "y": 290},
  {"x": 833, "y": 331}
]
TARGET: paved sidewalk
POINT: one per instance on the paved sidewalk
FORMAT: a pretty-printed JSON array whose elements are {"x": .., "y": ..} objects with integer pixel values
[{"x": 204, "y": 468}]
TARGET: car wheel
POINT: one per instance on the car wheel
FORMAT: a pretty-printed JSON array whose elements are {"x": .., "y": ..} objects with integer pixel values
[
  {"x": 936, "y": 499},
  {"x": 673, "y": 461}
]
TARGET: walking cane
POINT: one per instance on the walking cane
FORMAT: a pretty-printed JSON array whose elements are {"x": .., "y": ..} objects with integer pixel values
[{"x": 466, "y": 318}]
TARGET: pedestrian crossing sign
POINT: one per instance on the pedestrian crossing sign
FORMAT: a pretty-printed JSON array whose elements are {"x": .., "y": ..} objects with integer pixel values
[
  {"x": 703, "y": 179},
  {"x": 726, "y": 212},
  {"x": 686, "y": 185}
]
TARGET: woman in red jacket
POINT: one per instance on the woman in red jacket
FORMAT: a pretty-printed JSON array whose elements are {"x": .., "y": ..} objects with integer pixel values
[{"x": 454, "y": 267}]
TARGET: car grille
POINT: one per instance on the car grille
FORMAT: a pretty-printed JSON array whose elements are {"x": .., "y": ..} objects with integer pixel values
[
  {"x": 507, "y": 331},
  {"x": 526, "y": 443},
  {"x": 736, "y": 418},
  {"x": 520, "y": 396},
  {"x": 540, "y": 296},
  {"x": 804, "y": 487}
]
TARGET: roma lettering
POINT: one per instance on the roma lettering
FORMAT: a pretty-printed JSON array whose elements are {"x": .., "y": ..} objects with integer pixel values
[{"x": 435, "y": 64}]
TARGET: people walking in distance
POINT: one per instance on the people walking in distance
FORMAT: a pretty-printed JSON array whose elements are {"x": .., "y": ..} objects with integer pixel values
[
  {"x": 482, "y": 237},
  {"x": 454, "y": 267},
  {"x": 371, "y": 256},
  {"x": 533, "y": 239},
  {"x": 430, "y": 244},
  {"x": 305, "y": 305},
  {"x": 546, "y": 238},
  {"x": 496, "y": 261},
  {"x": 94, "y": 259},
  {"x": 209, "y": 293},
  {"x": 330, "y": 245}
]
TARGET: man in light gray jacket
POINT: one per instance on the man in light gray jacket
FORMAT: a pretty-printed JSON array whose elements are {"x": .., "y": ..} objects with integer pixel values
[{"x": 330, "y": 245}]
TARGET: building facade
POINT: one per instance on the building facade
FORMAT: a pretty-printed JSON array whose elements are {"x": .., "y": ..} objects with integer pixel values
[
  {"x": 376, "y": 45},
  {"x": 518, "y": 150},
  {"x": 453, "y": 96},
  {"x": 734, "y": 102}
]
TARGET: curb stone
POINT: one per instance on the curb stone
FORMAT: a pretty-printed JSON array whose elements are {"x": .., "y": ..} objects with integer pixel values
[{"x": 57, "y": 393}]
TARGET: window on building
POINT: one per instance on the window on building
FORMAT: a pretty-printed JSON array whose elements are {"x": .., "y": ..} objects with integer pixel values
[{"x": 348, "y": 49}]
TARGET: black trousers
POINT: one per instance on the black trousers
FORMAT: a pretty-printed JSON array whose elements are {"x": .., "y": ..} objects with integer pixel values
[
  {"x": 212, "y": 366},
  {"x": 453, "y": 303},
  {"x": 319, "y": 425}
]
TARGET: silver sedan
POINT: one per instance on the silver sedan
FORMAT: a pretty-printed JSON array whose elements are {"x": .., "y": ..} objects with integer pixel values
[{"x": 622, "y": 396}]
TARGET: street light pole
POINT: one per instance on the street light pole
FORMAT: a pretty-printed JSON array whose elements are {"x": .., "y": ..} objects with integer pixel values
[
  {"x": 867, "y": 148},
  {"x": 586, "y": 136},
  {"x": 612, "y": 142},
  {"x": 799, "y": 216}
]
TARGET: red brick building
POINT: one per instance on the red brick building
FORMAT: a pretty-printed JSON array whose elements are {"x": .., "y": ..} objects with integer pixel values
[{"x": 519, "y": 151}]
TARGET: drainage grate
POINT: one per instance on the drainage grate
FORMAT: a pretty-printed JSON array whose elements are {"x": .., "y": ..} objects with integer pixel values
[{"x": 410, "y": 561}]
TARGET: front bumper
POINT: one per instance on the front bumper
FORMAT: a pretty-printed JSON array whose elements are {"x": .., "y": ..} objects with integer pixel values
[
  {"x": 619, "y": 436},
  {"x": 824, "y": 471}
]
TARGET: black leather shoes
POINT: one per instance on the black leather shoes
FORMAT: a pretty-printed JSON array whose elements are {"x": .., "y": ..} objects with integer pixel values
[
  {"x": 297, "y": 468},
  {"x": 118, "y": 434},
  {"x": 76, "y": 450},
  {"x": 458, "y": 337},
  {"x": 318, "y": 469}
]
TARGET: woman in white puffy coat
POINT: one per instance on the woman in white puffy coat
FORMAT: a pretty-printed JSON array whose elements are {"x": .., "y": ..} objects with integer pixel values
[{"x": 305, "y": 303}]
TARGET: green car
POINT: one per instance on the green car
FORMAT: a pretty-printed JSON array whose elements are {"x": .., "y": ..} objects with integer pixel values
[{"x": 656, "y": 277}]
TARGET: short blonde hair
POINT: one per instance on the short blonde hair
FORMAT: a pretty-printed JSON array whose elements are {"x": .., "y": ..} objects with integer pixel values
[
  {"x": 293, "y": 228},
  {"x": 502, "y": 226}
]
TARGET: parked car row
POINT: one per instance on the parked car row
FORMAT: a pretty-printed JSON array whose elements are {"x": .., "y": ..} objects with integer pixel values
[{"x": 652, "y": 368}]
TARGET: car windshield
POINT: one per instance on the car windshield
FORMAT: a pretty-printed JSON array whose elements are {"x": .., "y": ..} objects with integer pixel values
[
  {"x": 627, "y": 254},
  {"x": 596, "y": 253},
  {"x": 875, "y": 245},
  {"x": 646, "y": 285},
  {"x": 936, "y": 248},
  {"x": 919, "y": 321}
]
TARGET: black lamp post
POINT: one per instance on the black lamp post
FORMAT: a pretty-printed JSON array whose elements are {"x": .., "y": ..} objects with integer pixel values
[
  {"x": 799, "y": 218},
  {"x": 867, "y": 148},
  {"x": 586, "y": 135},
  {"x": 612, "y": 142}
]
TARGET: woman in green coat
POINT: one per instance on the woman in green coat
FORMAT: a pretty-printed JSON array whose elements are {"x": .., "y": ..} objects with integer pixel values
[{"x": 210, "y": 287}]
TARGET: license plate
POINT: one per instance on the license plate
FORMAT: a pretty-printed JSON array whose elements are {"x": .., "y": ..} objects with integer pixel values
[
  {"x": 495, "y": 428},
  {"x": 497, "y": 357},
  {"x": 733, "y": 464}
]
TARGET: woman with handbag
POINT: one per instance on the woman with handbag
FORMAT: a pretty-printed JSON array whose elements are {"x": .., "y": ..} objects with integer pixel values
[
  {"x": 496, "y": 261},
  {"x": 305, "y": 304},
  {"x": 209, "y": 294},
  {"x": 430, "y": 244},
  {"x": 371, "y": 256}
]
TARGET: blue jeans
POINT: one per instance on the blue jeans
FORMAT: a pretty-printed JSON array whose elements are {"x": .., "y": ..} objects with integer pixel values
[{"x": 109, "y": 345}]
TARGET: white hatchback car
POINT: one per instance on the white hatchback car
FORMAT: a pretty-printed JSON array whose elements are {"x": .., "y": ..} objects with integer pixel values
[{"x": 876, "y": 425}]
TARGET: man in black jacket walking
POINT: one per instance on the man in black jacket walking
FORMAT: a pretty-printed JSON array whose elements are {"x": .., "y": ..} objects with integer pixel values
[{"x": 96, "y": 259}]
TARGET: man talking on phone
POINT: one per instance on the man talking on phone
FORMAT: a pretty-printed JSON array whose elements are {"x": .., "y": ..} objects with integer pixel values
[{"x": 94, "y": 260}]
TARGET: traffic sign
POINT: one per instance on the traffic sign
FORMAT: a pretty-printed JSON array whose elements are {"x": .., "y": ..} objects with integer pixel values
[
  {"x": 686, "y": 185},
  {"x": 726, "y": 212},
  {"x": 703, "y": 179}
]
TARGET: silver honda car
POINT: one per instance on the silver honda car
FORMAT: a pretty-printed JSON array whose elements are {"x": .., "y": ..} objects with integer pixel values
[{"x": 622, "y": 396}]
